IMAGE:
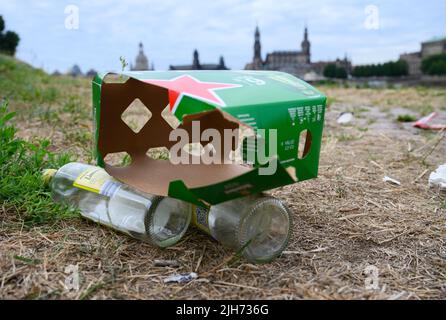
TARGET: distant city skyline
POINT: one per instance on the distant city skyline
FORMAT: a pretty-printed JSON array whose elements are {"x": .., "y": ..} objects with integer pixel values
[{"x": 368, "y": 31}]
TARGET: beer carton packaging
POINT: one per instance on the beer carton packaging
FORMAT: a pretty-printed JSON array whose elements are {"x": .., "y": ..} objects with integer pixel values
[{"x": 249, "y": 127}]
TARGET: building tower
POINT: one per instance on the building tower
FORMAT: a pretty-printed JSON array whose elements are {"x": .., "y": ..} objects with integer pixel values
[
  {"x": 221, "y": 63},
  {"x": 306, "y": 46},
  {"x": 257, "y": 62},
  {"x": 141, "y": 63},
  {"x": 196, "y": 61},
  {"x": 257, "y": 45}
]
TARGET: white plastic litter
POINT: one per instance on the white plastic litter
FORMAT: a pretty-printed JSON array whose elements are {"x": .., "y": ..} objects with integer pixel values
[
  {"x": 391, "y": 180},
  {"x": 181, "y": 278},
  {"x": 345, "y": 117},
  {"x": 438, "y": 178}
]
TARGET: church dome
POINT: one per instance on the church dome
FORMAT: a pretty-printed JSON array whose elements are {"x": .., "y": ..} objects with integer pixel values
[{"x": 141, "y": 63}]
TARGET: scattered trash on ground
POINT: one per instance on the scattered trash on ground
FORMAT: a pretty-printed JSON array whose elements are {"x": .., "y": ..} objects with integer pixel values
[
  {"x": 181, "y": 278},
  {"x": 438, "y": 178},
  {"x": 143, "y": 204},
  {"x": 423, "y": 123},
  {"x": 345, "y": 117},
  {"x": 93, "y": 183},
  {"x": 166, "y": 263},
  {"x": 391, "y": 180}
]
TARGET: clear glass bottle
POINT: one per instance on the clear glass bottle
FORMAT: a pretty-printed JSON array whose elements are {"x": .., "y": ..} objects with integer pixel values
[
  {"x": 259, "y": 224},
  {"x": 161, "y": 221}
]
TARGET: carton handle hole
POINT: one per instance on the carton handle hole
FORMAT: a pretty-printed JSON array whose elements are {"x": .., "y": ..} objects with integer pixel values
[
  {"x": 118, "y": 159},
  {"x": 304, "y": 147}
]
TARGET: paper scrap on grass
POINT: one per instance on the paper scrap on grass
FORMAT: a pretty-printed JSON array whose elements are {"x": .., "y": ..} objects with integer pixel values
[
  {"x": 345, "y": 117},
  {"x": 438, "y": 178}
]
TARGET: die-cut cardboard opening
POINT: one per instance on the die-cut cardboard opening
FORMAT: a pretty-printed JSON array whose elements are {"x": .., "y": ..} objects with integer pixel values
[
  {"x": 136, "y": 115},
  {"x": 144, "y": 172},
  {"x": 115, "y": 78},
  {"x": 305, "y": 141},
  {"x": 170, "y": 118},
  {"x": 118, "y": 159},
  {"x": 160, "y": 153}
]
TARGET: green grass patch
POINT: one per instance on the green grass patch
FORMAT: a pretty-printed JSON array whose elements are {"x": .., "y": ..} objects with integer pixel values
[
  {"x": 33, "y": 93},
  {"x": 19, "y": 81},
  {"x": 406, "y": 118},
  {"x": 21, "y": 187}
]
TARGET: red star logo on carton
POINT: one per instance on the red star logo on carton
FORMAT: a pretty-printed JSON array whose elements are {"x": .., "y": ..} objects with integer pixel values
[{"x": 186, "y": 85}]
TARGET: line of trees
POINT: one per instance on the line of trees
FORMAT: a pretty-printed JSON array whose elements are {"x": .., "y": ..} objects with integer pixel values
[
  {"x": 434, "y": 65},
  {"x": 333, "y": 71},
  {"x": 9, "y": 40},
  {"x": 389, "y": 69}
]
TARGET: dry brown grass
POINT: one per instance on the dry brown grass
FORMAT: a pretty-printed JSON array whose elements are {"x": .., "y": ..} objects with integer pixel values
[{"x": 344, "y": 221}]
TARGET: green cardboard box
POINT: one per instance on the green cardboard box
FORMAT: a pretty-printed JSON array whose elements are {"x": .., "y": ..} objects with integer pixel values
[{"x": 274, "y": 108}]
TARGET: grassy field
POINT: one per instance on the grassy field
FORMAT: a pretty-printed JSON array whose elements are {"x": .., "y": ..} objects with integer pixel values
[{"x": 351, "y": 229}]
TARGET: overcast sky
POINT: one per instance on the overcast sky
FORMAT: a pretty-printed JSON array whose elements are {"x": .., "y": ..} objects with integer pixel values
[{"x": 170, "y": 29}]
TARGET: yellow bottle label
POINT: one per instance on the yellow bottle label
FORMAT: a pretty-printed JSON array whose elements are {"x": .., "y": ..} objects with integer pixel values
[
  {"x": 97, "y": 180},
  {"x": 200, "y": 218}
]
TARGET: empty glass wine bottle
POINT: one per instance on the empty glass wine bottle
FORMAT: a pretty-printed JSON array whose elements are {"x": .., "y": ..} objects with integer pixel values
[
  {"x": 258, "y": 224},
  {"x": 161, "y": 221}
]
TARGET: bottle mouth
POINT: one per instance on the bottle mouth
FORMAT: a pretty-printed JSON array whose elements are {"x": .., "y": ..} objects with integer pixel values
[
  {"x": 47, "y": 175},
  {"x": 265, "y": 231},
  {"x": 167, "y": 220}
]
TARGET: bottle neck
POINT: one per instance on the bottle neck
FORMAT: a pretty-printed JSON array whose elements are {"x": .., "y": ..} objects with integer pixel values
[{"x": 47, "y": 175}]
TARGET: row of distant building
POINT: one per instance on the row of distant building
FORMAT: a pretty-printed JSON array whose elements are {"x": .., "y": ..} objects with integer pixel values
[
  {"x": 428, "y": 48},
  {"x": 295, "y": 62},
  {"x": 142, "y": 64},
  {"x": 76, "y": 71},
  {"x": 298, "y": 63}
]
